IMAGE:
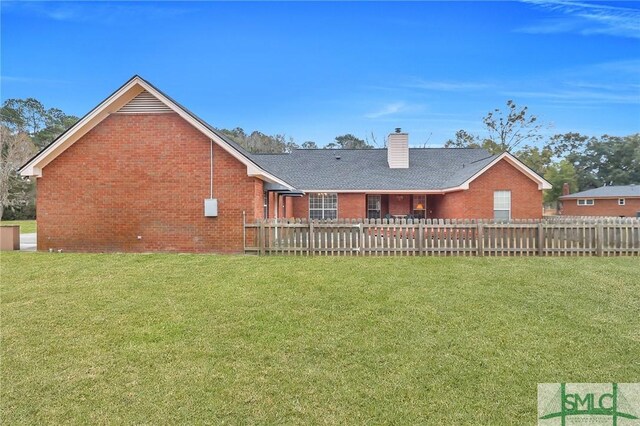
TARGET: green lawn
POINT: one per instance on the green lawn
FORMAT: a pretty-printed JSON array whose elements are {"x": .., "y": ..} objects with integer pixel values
[
  {"x": 176, "y": 339},
  {"x": 26, "y": 226}
]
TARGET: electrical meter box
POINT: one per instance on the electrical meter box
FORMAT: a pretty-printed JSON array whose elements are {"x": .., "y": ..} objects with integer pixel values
[{"x": 211, "y": 207}]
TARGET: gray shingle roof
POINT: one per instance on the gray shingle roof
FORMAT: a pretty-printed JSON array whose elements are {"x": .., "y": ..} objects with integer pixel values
[
  {"x": 320, "y": 169},
  {"x": 607, "y": 191},
  {"x": 429, "y": 168}
]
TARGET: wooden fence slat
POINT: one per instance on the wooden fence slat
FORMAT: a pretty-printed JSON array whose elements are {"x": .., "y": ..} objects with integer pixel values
[
  {"x": 541, "y": 240},
  {"x": 599, "y": 239}
]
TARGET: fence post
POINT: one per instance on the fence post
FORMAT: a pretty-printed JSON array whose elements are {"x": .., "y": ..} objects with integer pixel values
[
  {"x": 361, "y": 226},
  {"x": 261, "y": 237},
  {"x": 244, "y": 232},
  {"x": 480, "y": 238},
  {"x": 541, "y": 241},
  {"x": 312, "y": 239},
  {"x": 420, "y": 236},
  {"x": 599, "y": 238}
]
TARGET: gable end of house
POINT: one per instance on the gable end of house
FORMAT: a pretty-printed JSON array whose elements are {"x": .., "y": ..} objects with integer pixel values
[{"x": 139, "y": 96}]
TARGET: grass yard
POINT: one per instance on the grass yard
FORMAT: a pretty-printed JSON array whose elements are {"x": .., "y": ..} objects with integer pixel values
[
  {"x": 26, "y": 226},
  {"x": 177, "y": 339}
]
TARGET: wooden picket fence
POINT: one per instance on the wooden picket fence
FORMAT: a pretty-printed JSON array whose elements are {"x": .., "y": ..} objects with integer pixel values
[{"x": 358, "y": 237}]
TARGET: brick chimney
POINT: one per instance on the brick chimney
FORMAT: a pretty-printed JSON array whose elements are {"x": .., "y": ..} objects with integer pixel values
[
  {"x": 398, "y": 150},
  {"x": 566, "y": 190}
]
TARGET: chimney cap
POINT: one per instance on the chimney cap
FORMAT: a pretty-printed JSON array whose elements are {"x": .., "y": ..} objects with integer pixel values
[{"x": 398, "y": 129}]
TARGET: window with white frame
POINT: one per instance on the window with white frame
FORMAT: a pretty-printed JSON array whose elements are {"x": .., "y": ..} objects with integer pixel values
[
  {"x": 585, "y": 202},
  {"x": 621, "y": 201},
  {"x": 374, "y": 203},
  {"x": 323, "y": 206},
  {"x": 419, "y": 206},
  {"x": 502, "y": 205}
]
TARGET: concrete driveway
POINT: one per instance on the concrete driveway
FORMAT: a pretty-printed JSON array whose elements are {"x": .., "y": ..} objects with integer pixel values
[{"x": 28, "y": 242}]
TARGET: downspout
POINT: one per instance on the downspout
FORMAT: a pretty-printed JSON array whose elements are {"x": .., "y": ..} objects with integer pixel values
[
  {"x": 210, "y": 204},
  {"x": 277, "y": 203},
  {"x": 211, "y": 170}
]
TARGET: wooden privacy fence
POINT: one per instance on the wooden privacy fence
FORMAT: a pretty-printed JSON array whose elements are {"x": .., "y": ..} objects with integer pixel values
[{"x": 375, "y": 237}]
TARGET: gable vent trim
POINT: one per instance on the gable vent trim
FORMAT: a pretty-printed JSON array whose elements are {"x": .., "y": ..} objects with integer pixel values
[{"x": 145, "y": 102}]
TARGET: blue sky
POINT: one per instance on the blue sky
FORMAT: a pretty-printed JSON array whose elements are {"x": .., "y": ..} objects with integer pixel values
[{"x": 313, "y": 70}]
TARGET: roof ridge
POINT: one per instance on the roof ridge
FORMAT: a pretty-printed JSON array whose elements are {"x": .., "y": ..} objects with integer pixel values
[
  {"x": 484, "y": 158},
  {"x": 269, "y": 153},
  {"x": 380, "y": 149}
]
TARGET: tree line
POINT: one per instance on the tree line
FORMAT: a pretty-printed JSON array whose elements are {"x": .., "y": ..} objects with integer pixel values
[
  {"x": 582, "y": 161},
  {"x": 26, "y": 127},
  {"x": 260, "y": 143}
]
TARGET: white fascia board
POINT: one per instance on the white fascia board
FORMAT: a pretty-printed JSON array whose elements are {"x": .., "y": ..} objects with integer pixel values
[
  {"x": 255, "y": 171},
  {"x": 596, "y": 197},
  {"x": 112, "y": 104},
  {"x": 380, "y": 191},
  {"x": 88, "y": 122},
  {"x": 542, "y": 183}
]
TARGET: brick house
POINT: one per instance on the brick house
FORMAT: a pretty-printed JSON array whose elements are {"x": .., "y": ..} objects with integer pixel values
[
  {"x": 140, "y": 172},
  {"x": 615, "y": 201}
]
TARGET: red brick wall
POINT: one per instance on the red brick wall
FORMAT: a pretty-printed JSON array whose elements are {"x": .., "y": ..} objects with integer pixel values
[
  {"x": 477, "y": 201},
  {"x": 350, "y": 206},
  {"x": 258, "y": 194},
  {"x": 147, "y": 175},
  {"x": 453, "y": 205},
  {"x": 288, "y": 206},
  {"x": 272, "y": 203},
  {"x": 300, "y": 207},
  {"x": 602, "y": 207}
]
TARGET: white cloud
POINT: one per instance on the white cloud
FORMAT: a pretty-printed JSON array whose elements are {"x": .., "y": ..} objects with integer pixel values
[
  {"x": 614, "y": 82},
  {"x": 108, "y": 13},
  {"x": 447, "y": 86},
  {"x": 389, "y": 109},
  {"x": 579, "y": 96},
  {"x": 586, "y": 19},
  {"x": 631, "y": 67}
]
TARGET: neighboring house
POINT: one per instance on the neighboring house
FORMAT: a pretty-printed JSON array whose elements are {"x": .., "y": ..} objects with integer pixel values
[
  {"x": 619, "y": 201},
  {"x": 141, "y": 173}
]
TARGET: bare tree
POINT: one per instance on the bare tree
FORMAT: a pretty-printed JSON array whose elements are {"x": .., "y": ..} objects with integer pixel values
[
  {"x": 511, "y": 130},
  {"x": 372, "y": 140},
  {"x": 15, "y": 149}
]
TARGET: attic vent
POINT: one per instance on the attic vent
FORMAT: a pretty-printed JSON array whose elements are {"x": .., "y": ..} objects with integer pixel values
[{"x": 145, "y": 102}]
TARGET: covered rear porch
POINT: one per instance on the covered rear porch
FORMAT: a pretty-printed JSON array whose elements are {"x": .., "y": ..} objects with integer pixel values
[
  {"x": 328, "y": 205},
  {"x": 402, "y": 206}
]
